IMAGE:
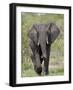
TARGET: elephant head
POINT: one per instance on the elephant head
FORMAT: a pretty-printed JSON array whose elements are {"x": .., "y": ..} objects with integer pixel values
[{"x": 43, "y": 35}]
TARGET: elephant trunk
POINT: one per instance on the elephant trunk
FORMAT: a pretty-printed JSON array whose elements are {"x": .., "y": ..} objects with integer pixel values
[{"x": 43, "y": 49}]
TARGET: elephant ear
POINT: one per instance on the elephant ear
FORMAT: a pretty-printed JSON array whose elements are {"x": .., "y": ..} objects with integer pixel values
[
  {"x": 54, "y": 32},
  {"x": 33, "y": 34}
]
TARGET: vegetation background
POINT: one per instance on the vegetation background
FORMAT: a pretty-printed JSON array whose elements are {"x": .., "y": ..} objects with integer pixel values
[{"x": 57, "y": 49}]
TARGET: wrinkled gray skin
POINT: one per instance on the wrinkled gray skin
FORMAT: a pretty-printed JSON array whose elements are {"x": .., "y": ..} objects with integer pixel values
[{"x": 41, "y": 36}]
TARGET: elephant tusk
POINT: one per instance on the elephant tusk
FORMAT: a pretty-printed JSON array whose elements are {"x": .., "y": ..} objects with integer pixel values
[
  {"x": 38, "y": 44},
  {"x": 47, "y": 42}
]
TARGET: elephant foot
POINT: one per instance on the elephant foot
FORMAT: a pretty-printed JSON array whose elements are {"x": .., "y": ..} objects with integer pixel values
[
  {"x": 46, "y": 73},
  {"x": 39, "y": 70}
]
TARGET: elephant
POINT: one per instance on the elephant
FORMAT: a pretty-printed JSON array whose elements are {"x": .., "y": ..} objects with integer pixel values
[{"x": 41, "y": 36}]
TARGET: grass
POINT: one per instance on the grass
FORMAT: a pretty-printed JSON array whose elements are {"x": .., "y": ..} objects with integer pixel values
[
  {"x": 52, "y": 72},
  {"x": 57, "y": 48}
]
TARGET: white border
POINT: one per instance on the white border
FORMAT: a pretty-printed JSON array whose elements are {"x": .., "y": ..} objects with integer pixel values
[{"x": 19, "y": 79}]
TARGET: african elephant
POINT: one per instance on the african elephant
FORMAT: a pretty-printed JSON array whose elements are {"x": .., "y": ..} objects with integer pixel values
[{"x": 41, "y": 36}]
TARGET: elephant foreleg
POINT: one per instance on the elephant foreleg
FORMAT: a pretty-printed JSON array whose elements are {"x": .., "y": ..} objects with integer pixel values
[{"x": 46, "y": 63}]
